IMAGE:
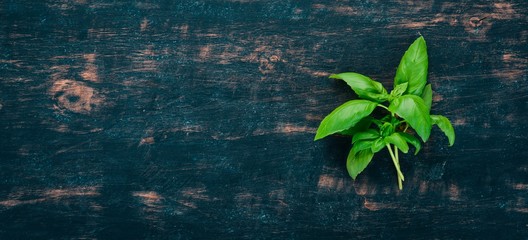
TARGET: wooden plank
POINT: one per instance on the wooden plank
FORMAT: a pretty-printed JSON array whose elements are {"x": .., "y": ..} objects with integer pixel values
[{"x": 195, "y": 120}]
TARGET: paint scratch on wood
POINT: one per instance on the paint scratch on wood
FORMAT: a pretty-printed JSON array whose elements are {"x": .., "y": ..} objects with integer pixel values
[
  {"x": 75, "y": 96},
  {"x": 60, "y": 195},
  {"x": 292, "y": 128},
  {"x": 149, "y": 198},
  {"x": 147, "y": 141},
  {"x": 328, "y": 182},
  {"x": 90, "y": 70},
  {"x": 376, "y": 206}
]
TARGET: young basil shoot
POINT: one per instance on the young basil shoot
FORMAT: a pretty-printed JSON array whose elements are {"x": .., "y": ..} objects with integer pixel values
[{"x": 407, "y": 109}]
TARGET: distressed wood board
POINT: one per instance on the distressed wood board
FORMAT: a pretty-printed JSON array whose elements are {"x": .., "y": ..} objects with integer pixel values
[{"x": 195, "y": 120}]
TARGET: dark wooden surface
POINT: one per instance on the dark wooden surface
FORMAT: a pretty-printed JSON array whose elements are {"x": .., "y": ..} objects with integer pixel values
[{"x": 194, "y": 120}]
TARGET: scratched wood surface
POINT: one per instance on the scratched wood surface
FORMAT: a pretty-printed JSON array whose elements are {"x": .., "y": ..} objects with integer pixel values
[{"x": 194, "y": 120}]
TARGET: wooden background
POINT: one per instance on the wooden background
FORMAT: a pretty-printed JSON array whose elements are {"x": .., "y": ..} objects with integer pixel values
[{"x": 195, "y": 119}]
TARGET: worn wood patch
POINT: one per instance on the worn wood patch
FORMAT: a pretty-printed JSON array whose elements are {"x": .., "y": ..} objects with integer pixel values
[{"x": 195, "y": 119}]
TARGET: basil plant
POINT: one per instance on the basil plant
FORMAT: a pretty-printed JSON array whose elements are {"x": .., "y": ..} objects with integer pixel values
[{"x": 408, "y": 119}]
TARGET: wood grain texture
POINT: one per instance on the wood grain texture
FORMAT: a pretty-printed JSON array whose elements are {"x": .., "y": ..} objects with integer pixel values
[{"x": 194, "y": 120}]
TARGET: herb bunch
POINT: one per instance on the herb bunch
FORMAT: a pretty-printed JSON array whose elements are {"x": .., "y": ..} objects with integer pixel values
[{"x": 407, "y": 109}]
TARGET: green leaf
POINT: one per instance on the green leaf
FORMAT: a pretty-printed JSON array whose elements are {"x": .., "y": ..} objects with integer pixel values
[
  {"x": 427, "y": 96},
  {"x": 357, "y": 162},
  {"x": 413, "y": 67},
  {"x": 386, "y": 129},
  {"x": 361, "y": 126},
  {"x": 377, "y": 145},
  {"x": 413, "y": 141},
  {"x": 362, "y": 145},
  {"x": 363, "y": 86},
  {"x": 378, "y": 123},
  {"x": 366, "y": 135},
  {"x": 398, "y": 141},
  {"x": 446, "y": 127},
  {"x": 413, "y": 110},
  {"x": 344, "y": 117},
  {"x": 399, "y": 90}
]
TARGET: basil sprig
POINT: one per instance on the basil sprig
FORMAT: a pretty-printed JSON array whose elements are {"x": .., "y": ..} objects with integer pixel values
[{"x": 408, "y": 108}]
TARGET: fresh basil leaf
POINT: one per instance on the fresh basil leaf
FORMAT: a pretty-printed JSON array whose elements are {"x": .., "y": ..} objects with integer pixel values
[
  {"x": 362, "y": 145},
  {"x": 363, "y": 86},
  {"x": 378, "y": 123},
  {"x": 386, "y": 129},
  {"x": 398, "y": 141},
  {"x": 413, "y": 110},
  {"x": 344, "y": 117},
  {"x": 366, "y": 135},
  {"x": 427, "y": 96},
  {"x": 413, "y": 141},
  {"x": 377, "y": 145},
  {"x": 357, "y": 162},
  {"x": 446, "y": 127},
  {"x": 399, "y": 90},
  {"x": 361, "y": 126},
  {"x": 413, "y": 67}
]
